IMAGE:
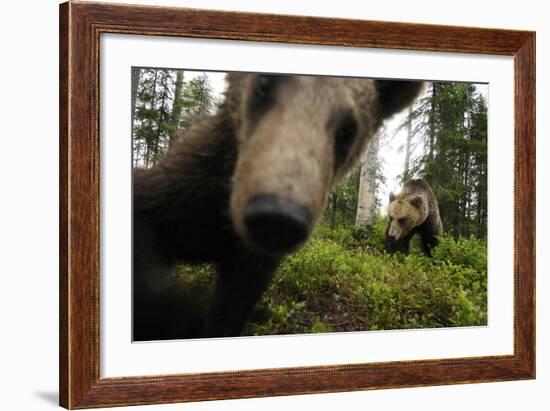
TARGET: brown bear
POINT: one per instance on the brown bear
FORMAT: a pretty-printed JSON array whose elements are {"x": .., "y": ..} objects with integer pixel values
[
  {"x": 245, "y": 187},
  {"x": 414, "y": 210}
]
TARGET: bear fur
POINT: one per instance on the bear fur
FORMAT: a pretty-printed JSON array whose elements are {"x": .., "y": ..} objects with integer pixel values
[
  {"x": 413, "y": 211},
  {"x": 275, "y": 148}
]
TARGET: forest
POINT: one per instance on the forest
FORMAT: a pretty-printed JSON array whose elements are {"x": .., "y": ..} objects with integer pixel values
[{"x": 343, "y": 279}]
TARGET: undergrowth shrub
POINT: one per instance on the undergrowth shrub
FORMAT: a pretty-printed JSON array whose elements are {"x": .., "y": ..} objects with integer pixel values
[{"x": 343, "y": 280}]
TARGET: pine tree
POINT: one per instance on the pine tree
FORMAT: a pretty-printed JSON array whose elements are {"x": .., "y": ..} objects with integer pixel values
[
  {"x": 198, "y": 100},
  {"x": 164, "y": 105},
  {"x": 450, "y": 121}
]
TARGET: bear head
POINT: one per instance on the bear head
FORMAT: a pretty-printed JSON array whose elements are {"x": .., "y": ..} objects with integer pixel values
[
  {"x": 297, "y": 136},
  {"x": 405, "y": 212}
]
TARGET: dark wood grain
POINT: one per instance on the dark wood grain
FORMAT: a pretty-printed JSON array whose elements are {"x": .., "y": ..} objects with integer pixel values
[
  {"x": 63, "y": 205},
  {"x": 525, "y": 200},
  {"x": 80, "y": 27}
]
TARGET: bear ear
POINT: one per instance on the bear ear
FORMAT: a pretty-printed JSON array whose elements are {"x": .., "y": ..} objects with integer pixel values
[
  {"x": 395, "y": 95},
  {"x": 392, "y": 197},
  {"x": 416, "y": 201}
]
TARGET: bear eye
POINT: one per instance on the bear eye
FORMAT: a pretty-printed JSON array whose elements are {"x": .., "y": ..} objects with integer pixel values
[
  {"x": 345, "y": 137},
  {"x": 264, "y": 85},
  {"x": 402, "y": 220}
]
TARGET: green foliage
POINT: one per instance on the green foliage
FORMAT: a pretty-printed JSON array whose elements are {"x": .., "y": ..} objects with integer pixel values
[
  {"x": 342, "y": 205},
  {"x": 450, "y": 124},
  {"x": 339, "y": 286},
  {"x": 197, "y": 100},
  {"x": 203, "y": 274},
  {"x": 467, "y": 252},
  {"x": 164, "y": 107},
  {"x": 343, "y": 280}
]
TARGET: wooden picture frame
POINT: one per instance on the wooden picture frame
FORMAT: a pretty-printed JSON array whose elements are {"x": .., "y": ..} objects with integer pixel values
[{"x": 80, "y": 27}]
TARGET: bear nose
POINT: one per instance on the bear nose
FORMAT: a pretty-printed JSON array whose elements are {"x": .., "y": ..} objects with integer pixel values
[{"x": 276, "y": 225}]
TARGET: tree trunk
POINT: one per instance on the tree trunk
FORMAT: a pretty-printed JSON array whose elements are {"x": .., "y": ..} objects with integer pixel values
[
  {"x": 203, "y": 96},
  {"x": 366, "y": 201},
  {"x": 162, "y": 116},
  {"x": 334, "y": 210},
  {"x": 153, "y": 94},
  {"x": 177, "y": 108},
  {"x": 482, "y": 203},
  {"x": 136, "y": 73},
  {"x": 432, "y": 121},
  {"x": 408, "y": 146}
]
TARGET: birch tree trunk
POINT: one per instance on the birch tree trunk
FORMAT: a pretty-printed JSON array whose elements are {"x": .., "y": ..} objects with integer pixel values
[
  {"x": 408, "y": 146},
  {"x": 366, "y": 202}
]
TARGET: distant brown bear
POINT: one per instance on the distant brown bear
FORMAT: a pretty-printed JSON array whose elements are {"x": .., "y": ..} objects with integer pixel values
[
  {"x": 414, "y": 210},
  {"x": 244, "y": 188}
]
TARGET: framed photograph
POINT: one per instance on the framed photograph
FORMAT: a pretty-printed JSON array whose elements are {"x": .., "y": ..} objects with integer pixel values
[{"x": 258, "y": 205}]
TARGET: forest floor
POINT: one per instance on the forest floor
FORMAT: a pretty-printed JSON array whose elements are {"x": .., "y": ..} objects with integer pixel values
[{"x": 342, "y": 280}]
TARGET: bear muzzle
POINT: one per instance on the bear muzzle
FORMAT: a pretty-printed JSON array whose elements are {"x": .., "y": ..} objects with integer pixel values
[
  {"x": 395, "y": 232},
  {"x": 276, "y": 225}
]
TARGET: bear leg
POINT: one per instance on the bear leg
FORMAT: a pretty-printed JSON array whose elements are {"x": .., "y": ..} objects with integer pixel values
[
  {"x": 429, "y": 241},
  {"x": 404, "y": 243},
  {"x": 240, "y": 285}
]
